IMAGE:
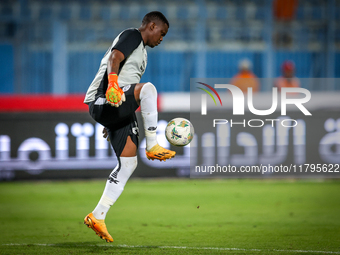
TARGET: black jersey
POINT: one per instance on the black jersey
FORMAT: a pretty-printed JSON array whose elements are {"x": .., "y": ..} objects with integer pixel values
[{"x": 131, "y": 69}]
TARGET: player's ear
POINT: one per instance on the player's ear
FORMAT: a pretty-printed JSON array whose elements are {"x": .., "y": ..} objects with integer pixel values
[{"x": 152, "y": 26}]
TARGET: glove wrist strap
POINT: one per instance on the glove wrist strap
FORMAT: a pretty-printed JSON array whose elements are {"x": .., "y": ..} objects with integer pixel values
[{"x": 112, "y": 77}]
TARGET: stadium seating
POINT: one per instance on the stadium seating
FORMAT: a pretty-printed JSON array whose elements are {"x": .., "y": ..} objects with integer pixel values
[{"x": 232, "y": 27}]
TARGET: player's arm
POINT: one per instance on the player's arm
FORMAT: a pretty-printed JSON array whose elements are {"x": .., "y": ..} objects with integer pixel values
[
  {"x": 127, "y": 43},
  {"x": 114, "y": 94},
  {"x": 116, "y": 57}
]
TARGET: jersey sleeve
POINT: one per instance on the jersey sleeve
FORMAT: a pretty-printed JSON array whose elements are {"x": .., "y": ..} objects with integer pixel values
[{"x": 128, "y": 41}]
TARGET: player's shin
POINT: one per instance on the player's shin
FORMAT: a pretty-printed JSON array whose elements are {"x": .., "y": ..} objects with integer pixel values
[
  {"x": 148, "y": 98},
  {"x": 148, "y": 103},
  {"x": 115, "y": 185}
]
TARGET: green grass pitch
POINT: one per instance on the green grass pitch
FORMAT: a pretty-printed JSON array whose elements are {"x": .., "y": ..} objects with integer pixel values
[{"x": 174, "y": 216}]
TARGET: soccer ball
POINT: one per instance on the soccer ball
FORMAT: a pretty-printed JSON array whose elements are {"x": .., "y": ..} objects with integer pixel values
[{"x": 179, "y": 132}]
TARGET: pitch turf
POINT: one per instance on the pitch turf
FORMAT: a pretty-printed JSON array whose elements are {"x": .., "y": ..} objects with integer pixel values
[{"x": 174, "y": 217}]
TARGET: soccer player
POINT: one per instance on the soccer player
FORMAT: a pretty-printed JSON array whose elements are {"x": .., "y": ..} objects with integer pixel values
[{"x": 113, "y": 97}]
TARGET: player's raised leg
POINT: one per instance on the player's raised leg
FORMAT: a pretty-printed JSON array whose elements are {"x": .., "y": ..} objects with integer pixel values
[
  {"x": 146, "y": 97},
  {"x": 114, "y": 187}
]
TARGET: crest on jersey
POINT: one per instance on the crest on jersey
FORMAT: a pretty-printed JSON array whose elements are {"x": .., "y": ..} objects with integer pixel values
[{"x": 126, "y": 88}]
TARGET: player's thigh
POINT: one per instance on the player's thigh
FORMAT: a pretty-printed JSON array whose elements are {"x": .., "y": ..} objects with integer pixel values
[
  {"x": 130, "y": 149},
  {"x": 107, "y": 115},
  {"x": 138, "y": 88},
  {"x": 124, "y": 136}
]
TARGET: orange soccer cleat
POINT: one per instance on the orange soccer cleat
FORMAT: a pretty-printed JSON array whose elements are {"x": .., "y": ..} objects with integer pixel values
[
  {"x": 158, "y": 152},
  {"x": 98, "y": 226}
]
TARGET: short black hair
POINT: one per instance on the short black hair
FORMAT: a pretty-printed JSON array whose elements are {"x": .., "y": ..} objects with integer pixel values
[{"x": 155, "y": 15}]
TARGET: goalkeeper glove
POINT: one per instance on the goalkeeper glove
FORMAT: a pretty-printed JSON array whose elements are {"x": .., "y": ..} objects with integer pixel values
[{"x": 114, "y": 94}]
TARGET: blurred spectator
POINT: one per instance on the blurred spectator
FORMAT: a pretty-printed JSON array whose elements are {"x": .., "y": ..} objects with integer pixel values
[
  {"x": 284, "y": 13},
  {"x": 288, "y": 78},
  {"x": 284, "y": 10},
  {"x": 245, "y": 77}
]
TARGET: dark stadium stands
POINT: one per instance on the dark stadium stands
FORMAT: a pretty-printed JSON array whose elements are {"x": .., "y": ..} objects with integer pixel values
[{"x": 232, "y": 30}]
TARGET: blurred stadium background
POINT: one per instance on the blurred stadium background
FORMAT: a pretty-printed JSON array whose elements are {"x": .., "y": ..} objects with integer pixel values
[
  {"x": 50, "y": 51},
  {"x": 53, "y": 46}
]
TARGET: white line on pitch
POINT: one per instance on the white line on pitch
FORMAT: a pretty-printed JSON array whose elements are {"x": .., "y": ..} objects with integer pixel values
[{"x": 174, "y": 247}]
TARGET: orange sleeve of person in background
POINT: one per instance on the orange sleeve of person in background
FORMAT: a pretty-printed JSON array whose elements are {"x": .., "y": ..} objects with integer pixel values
[
  {"x": 288, "y": 79},
  {"x": 282, "y": 82},
  {"x": 243, "y": 80}
]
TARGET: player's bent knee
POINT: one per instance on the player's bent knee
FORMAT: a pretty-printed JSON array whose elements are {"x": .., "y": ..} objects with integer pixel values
[
  {"x": 133, "y": 162},
  {"x": 128, "y": 166},
  {"x": 148, "y": 89}
]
